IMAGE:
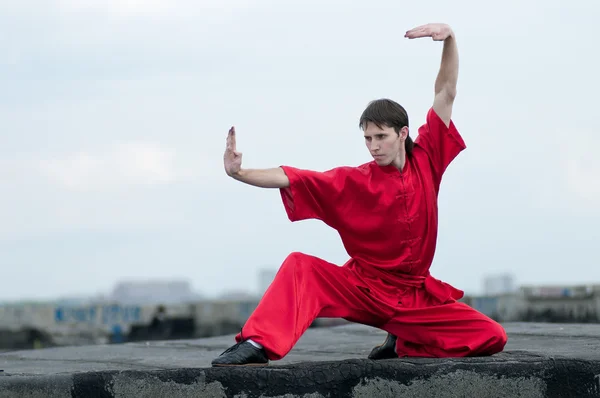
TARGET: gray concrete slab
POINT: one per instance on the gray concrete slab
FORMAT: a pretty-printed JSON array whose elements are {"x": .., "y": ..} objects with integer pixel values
[{"x": 539, "y": 360}]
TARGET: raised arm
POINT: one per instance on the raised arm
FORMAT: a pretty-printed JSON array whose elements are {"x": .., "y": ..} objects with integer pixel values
[
  {"x": 263, "y": 178},
  {"x": 445, "y": 83}
]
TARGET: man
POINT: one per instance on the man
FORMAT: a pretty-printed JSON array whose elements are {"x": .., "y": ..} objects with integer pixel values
[{"x": 385, "y": 212}]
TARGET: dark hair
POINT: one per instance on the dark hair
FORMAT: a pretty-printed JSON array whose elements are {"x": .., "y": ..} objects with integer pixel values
[{"x": 388, "y": 113}]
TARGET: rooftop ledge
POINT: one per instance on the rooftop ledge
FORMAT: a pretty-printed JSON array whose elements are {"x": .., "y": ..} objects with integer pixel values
[{"x": 540, "y": 360}]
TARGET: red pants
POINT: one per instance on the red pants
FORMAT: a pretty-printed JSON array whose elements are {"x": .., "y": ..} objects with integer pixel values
[{"x": 307, "y": 287}]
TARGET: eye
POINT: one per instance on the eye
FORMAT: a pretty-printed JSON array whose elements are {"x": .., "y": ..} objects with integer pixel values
[{"x": 380, "y": 136}]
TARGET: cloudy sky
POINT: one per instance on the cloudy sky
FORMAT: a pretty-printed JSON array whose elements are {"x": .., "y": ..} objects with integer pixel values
[{"x": 113, "y": 117}]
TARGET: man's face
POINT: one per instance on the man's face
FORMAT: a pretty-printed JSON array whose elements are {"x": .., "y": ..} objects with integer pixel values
[{"x": 384, "y": 144}]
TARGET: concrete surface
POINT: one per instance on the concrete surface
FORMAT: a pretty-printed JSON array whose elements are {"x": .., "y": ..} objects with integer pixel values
[{"x": 540, "y": 360}]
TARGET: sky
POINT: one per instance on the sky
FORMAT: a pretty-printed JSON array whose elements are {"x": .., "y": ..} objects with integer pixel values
[{"x": 114, "y": 114}]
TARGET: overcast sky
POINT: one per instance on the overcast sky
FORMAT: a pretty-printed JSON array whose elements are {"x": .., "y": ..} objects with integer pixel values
[{"x": 113, "y": 118}]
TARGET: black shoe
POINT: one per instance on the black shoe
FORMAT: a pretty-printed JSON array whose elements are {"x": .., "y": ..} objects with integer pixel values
[
  {"x": 385, "y": 351},
  {"x": 242, "y": 354}
]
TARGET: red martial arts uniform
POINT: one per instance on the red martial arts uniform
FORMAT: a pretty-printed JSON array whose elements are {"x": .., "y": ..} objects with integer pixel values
[{"x": 388, "y": 221}]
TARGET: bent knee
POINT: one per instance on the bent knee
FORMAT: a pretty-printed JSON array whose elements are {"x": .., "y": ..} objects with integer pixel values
[
  {"x": 297, "y": 261},
  {"x": 498, "y": 337},
  {"x": 294, "y": 259},
  {"x": 302, "y": 263}
]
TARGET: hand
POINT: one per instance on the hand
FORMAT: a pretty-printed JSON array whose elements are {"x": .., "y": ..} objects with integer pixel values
[
  {"x": 232, "y": 159},
  {"x": 437, "y": 31}
]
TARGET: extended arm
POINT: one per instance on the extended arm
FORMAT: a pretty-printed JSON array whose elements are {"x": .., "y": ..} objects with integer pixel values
[
  {"x": 445, "y": 83},
  {"x": 263, "y": 178}
]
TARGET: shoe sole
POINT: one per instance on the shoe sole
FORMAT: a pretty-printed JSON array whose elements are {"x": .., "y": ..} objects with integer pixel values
[{"x": 256, "y": 365}]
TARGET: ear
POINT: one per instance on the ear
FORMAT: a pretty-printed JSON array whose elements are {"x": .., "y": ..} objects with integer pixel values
[{"x": 403, "y": 133}]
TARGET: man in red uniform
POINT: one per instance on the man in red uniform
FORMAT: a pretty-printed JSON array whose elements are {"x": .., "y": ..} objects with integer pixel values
[{"x": 385, "y": 212}]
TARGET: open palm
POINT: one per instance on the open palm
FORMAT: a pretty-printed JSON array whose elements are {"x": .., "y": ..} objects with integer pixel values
[
  {"x": 232, "y": 159},
  {"x": 437, "y": 31}
]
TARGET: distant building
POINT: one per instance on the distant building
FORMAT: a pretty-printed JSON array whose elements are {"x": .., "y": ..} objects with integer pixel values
[
  {"x": 494, "y": 285},
  {"x": 265, "y": 277},
  {"x": 237, "y": 295},
  {"x": 152, "y": 292}
]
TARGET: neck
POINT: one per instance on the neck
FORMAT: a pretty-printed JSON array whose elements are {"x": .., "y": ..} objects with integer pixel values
[{"x": 400, "y": 160}]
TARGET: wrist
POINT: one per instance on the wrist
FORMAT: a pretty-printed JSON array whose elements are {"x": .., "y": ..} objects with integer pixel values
[{"x": 237, "y": 175}]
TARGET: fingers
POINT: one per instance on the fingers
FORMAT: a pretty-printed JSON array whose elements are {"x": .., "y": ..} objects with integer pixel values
[
  {"x": 231, "y": 140},
  {"x": 420, "y": 28},
  {"x": 416, "y": 33},
  {"x": 419, "y": 31},
  {"x": 437, "y": 31}
]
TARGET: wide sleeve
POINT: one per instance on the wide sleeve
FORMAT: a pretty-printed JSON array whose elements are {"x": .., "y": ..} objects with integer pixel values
[
  {"x": 312, "y": 194},
  {"x": 441, "y": 143}
]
